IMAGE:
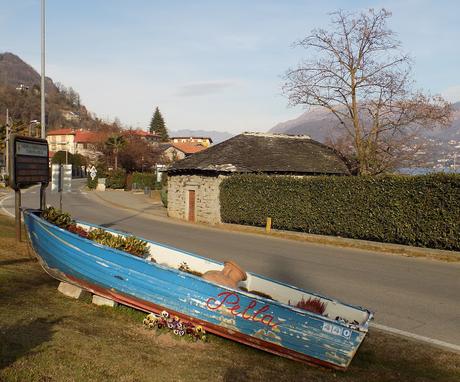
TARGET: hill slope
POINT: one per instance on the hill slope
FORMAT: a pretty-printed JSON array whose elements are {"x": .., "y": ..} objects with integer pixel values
[
  {"x": 20, "y": 94},
  {"x": 320, "y": 125},
  {"x": 14, "y": 72}
]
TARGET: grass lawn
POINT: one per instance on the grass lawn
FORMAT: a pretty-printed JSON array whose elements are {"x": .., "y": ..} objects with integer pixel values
[{"x": 46, "y": 337}]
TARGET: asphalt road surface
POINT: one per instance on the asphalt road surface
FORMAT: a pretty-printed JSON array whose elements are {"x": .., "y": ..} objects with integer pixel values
[{"x": 418, "y": 296}]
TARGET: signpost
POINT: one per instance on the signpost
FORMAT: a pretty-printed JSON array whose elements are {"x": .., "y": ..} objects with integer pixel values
[
  {"x": 61, "y": 179},
  {"x": 28, "y": 165}
]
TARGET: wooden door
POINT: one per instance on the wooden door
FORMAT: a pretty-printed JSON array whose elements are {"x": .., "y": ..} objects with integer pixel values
[{"x": 191, "y": 205}]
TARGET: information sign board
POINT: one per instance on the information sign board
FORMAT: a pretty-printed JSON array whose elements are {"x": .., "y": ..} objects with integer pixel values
[
  {"x": 61, "y": 177},
  {"x": 29, "y": 161}
]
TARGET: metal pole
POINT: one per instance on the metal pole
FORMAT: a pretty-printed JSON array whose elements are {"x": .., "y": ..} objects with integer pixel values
[
  {"x": 43, "y": 131},
  {"x": 60, "y": 186},
  {"x": 42, "y": 196},
  {"x": 17, "y": 202},
  {"x": 7, "y": 143}
]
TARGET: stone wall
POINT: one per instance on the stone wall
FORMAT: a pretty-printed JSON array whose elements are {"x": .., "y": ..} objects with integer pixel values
[{"x": 207, "y": 204}]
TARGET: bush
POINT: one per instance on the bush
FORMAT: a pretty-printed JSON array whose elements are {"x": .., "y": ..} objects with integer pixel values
[
  {"x": 116, "y": 179},
  {"x": 164, "y": 197},
  {"x": 414, "y": 210},
  {"x": 92, "y": 184},
  {"x": 144, "y": 179}
]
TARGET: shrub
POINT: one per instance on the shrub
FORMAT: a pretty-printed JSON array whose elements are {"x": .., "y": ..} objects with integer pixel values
[
  {"x": 92, "y": 184},
  {"x": 116, "y": 179},
  {"x": 144, "y": 179},
  {"x": 164, "y": 197},
  {"x": 413, "y": 210}
]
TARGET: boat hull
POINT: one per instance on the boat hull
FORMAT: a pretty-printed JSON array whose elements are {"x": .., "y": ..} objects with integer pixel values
[{"x": 132, "y": 281}]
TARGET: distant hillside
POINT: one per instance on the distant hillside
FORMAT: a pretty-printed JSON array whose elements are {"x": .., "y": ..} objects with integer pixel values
[
  {"x": 14, "y": 72},
  {"x": 20, "y": 94},
  {"x": 216, "y": 136},
  {"x": 320, "y": 125}
]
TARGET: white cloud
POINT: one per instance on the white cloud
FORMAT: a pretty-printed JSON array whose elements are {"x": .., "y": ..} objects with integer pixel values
[{"x": 205, "y": 88}]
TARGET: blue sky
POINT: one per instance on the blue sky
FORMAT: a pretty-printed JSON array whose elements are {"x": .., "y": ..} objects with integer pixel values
[{"x": 213, "y": 65}]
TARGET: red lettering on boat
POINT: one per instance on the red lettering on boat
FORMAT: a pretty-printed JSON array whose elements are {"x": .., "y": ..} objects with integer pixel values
[{"x": 231, "y": 301}]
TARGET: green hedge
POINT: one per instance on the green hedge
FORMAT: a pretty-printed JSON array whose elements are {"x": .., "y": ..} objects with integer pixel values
[
  {"x": 414, "y": 210},
  {"x": 144, "y": 179},
  {"x": 116, "y": 179}
]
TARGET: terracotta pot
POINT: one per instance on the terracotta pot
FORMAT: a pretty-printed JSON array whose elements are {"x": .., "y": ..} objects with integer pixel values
[{"x": 230, "y": 276}]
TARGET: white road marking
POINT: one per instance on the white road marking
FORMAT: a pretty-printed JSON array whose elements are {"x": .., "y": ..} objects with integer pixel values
[
  {"x": 3, "y": 208},
  {"x": 414, "y": 336},
  {"x": 26, "y": 191}
]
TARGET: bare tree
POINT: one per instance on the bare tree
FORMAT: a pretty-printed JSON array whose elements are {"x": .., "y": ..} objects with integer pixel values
[{"x": 360, "y": 75}]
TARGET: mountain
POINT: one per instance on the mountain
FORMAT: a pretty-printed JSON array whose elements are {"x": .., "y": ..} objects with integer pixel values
[
  {"x": 320, "y": 124},
  {"x": 16, "y": 72},
  {"x": 317, "y": 123},
  {"x": 216, "y": 136},
  {"x": 20, "y": 94}
]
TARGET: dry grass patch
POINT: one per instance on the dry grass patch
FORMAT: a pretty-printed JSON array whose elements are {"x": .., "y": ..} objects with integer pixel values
[{"x": 45, "y": 336}]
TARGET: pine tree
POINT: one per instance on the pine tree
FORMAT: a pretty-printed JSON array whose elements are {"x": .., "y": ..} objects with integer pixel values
[{"x": 157, "y": 126}]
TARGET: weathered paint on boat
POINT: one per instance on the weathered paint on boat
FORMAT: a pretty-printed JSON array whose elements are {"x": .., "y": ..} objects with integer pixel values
[{"x": 256, "y": 321}]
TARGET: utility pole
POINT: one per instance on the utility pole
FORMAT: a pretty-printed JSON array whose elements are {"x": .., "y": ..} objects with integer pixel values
[
  {"x": 43, "y": 131},
  {"x": 7, "y": 144},
  {"x": 42, "y": 94}
]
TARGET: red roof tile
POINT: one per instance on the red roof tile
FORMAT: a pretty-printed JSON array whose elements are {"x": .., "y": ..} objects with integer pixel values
[
  {"x": 89, "y": 137},
  {"x": 61, "y": 132},
  {"x": 188, "y": 148}
]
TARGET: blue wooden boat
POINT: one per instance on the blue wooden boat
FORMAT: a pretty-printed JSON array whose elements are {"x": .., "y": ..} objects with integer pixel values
[{"x": 330, "y": 339}]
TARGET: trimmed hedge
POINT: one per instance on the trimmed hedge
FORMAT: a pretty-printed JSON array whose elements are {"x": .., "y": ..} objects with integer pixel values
[
  {"x": 116, "y": 179},
  {"x": 413, "y": 210},
  {"x": 144, "y": 179}
]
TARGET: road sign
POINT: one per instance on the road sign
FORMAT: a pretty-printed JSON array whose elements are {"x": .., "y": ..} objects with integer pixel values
[
  {"x": 61, "y": 177},
  {"x": 29, "y": 161},
  {"x": 92, "y": 172}
]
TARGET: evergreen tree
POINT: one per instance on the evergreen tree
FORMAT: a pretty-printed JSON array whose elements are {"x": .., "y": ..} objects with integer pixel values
[{"x": 158, "y": 126}]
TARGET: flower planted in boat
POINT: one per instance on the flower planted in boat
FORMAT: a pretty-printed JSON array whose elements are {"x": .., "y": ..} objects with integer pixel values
[
  {"x": 314, "y": 305},
  {"x": 57, "y": 217},
  {"x": 77, "y": 230},
  {"x": 130, "y": 244},
  {"x": 184, "y": 267}
]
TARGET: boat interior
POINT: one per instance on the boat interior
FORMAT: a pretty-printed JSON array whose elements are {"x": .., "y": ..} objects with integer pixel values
[{"x": 255, "y": 284}]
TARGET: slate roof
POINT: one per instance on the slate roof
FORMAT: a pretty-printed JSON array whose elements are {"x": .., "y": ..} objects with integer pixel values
[{"x": 263, "y": 152}]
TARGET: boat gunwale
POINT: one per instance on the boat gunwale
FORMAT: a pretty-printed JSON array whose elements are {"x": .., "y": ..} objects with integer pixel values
[{"x": 361, "y": 327}]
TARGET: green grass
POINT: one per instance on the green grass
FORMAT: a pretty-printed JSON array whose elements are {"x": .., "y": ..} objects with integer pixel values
[{"x": 45, "y": 336}]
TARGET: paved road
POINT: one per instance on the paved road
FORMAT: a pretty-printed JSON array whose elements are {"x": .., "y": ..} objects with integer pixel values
[{"x": 414, "y": 295}]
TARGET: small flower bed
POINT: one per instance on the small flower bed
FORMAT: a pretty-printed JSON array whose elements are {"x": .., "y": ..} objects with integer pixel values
[
  {"x": 129, "y": 244},
  {"x": 178, "y": 327}
]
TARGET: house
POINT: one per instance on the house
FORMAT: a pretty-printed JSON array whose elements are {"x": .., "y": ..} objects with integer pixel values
[
  {"x": 145, "y": 135},
  {"x": 193, "y": 184},
  {"x": 202, "y": 141},
  {"x": 176, "y": 151},
  {"x": 83, "y": 142},
  {"x": 70, "y": 115},
  {"x": 61, "y": 140},
  {"x": 88, "y": 143}
]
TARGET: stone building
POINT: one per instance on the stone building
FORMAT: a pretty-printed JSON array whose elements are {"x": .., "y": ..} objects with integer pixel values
[{"x": 193, "y": 184}]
